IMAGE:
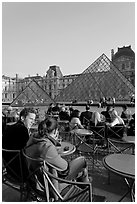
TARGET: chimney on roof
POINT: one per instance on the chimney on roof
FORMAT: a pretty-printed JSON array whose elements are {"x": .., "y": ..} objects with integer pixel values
[
  {"x": 112, "y": 54},
  {"x": 16, "y": 77}
]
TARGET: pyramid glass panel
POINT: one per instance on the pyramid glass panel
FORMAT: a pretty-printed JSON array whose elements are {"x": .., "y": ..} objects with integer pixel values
[
  {"x": 101, "y": 79},
  {"x": 32, "y": 95}
]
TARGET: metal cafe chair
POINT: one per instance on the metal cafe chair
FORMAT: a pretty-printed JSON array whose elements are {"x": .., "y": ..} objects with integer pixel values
[
  {"x": 116, "y": 131},
  {"x": 119, "y": 145},
  {"x": 99, "y": 132},
  {"x": 86, "y": 145},
  {"x": 72, "y": 191},
  {"x": 116, "y": 143},
  {"x": 14, "y": 172}
]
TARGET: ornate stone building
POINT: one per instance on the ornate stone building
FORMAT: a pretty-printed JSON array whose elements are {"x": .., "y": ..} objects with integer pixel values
[
  {"x": 8, "y": 89},
  {"x": 124, "y": 59},
  {"x": 54, "y": 81}
]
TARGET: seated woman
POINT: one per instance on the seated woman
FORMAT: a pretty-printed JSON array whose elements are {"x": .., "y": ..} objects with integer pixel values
[
  {"x": 44, "y": 144},
  {"x": 116, "y": 121},
  {"x": 75, "y": 120},
  {"x": 97, "y": 119},
  {"x": 96, "y": 123}
]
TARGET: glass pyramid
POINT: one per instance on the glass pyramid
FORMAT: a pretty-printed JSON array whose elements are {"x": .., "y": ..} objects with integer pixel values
[
  {"x": 32, "y": 95},
  {"x": 101, "y": 79}
]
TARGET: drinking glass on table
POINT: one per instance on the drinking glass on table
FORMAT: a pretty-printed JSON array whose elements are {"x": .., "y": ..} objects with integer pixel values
[{"x": 59, "y": 139}]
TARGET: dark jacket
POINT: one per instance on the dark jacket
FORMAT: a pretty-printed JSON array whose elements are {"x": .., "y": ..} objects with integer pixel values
[
  {"x": 85, "y": 117},
  {"x": 15, "y": 137},
  {"x": 63, "y": 115},
  {"x": 107, "y": 116}
]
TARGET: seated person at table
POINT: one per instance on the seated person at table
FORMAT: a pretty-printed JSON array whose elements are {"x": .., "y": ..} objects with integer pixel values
[
  {"x": 131, "y": 126},
  {"x": 56, "y": 109},
  {"x": 15, "y": 136},
  {"x": 126, "y": 114},
  {"x": 115, "y": 124},
  {"x": 63, "y": 115},
  {"x": 86, "y": 116},
  {"x": 44, "y": 144},
  {"x": 106, "y": 113},
  {"x": 75, "y": 120},
  {"x": 115, "y": 119},
  {"x": 97, "y": 119},
  {"x": 49, "y": 111}
]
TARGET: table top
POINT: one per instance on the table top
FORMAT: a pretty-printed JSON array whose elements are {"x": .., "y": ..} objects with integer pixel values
[
  {"x": 71, "y": 149},
  {"x": 121, "y": 164},
  {"x": 129, "y": 139},
  {"x": 11, "y": 123},
  {"x": 63, "y": 121},
  {"x": 83, "y": 131}
]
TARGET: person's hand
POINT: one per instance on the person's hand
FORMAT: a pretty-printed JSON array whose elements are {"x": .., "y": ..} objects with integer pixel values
[{"x": 108, "y": 124}]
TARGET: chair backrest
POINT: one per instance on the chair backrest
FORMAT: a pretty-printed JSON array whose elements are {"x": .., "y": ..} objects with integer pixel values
[
  {"x": 36, "y": 178},
  {"x": 99, "y": 131},
  {"x": 119, "y": 145},
  {"x": 51, "y": 183},
  {"x": 14, "y": 164},
  {"x": 82, "y": 143},
  {"x": 71, "y": 192},
  {"x": 115, "y": 132}
]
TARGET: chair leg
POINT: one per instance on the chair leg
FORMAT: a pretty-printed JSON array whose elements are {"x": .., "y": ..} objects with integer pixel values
[{"x": 108, "y": 177}]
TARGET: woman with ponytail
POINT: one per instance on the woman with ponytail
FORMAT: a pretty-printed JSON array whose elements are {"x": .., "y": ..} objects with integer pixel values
[{"x": 43, "y": 145}]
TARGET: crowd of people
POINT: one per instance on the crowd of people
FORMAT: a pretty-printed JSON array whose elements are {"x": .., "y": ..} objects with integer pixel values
[{"x": 44, "y": 143}]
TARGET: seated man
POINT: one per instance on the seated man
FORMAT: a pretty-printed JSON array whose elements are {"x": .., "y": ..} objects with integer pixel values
[
  {"x": 15, "y": 136},
  {"x": 86, "y": 116},
  {"x": 126, "y": 114},
  {"x": 63, "y": 115},
  {"x": 44, "y": 146},
  {"x": 131, "y": 126}
]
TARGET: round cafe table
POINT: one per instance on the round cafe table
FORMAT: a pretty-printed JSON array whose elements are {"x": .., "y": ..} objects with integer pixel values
[
  {"x": 69, "y": 150},
  {"x": 82, "y": 132},
  {"x": 122, "y": 165},
  {"x": 63, "y": 121},
  {"x": 11, "y": 123},
  {"x": 131, "y": 141}
]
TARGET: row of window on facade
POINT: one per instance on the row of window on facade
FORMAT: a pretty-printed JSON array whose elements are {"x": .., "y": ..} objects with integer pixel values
[{"x": 130, "y": 65}]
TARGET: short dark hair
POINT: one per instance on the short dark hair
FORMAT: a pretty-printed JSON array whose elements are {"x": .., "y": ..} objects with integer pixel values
[
  {"x": 124, "y": 106},
  {"x": 26, "y": 111},
  {"x": 87, "y": 107},
  {"x": 109, "y": 108},
  {"x": 75, "y": 113},
  {"x": 47, "y": 126}
]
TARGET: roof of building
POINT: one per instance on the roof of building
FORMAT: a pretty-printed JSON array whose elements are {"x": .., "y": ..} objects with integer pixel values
[
  {"x": 101, "y": 79},
  {"x": 124, "y": 51},
  {"x": 32, "y": 95}
]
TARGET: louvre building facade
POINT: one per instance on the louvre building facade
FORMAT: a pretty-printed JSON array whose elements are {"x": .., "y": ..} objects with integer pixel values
[{"x": 104, "y": 77}]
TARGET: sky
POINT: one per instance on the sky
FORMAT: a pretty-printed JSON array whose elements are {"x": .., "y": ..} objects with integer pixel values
[{"x": 71, "y": 35}]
